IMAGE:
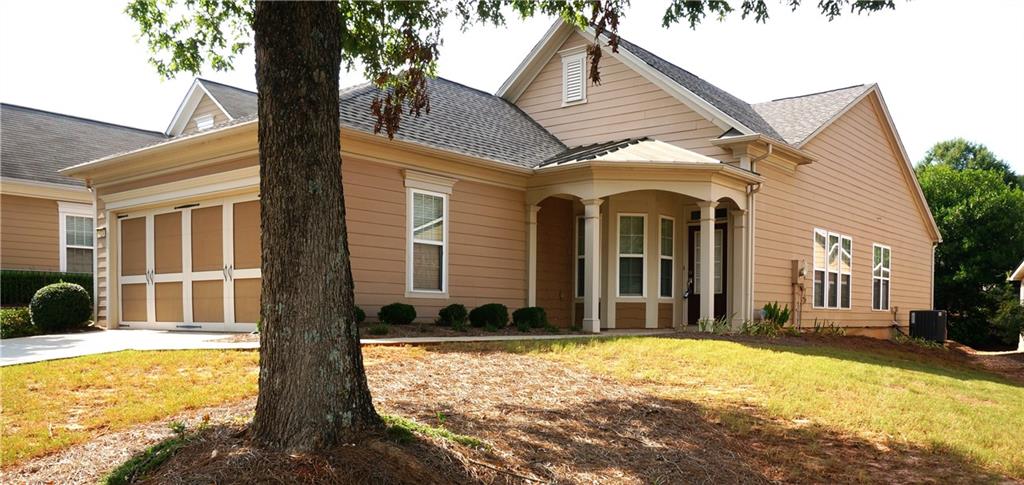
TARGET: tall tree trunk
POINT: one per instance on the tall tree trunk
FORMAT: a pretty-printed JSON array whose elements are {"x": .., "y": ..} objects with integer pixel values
[{"x": 313, "y": 392}]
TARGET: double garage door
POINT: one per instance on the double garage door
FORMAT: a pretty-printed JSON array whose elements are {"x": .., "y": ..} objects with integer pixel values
[{"x": 192, "y": 267}]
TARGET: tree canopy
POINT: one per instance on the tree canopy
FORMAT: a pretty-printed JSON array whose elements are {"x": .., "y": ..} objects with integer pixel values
[{"x": 979, "y": 207}]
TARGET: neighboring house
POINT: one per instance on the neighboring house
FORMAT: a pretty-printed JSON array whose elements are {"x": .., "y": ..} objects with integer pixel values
[
  {"x": 47, "y": 219},
  {"x": 1018, "y": 276},
  {"x": 605, "y": 204}
]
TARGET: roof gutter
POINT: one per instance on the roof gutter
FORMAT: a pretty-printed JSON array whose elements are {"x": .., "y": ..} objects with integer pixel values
[{"x": 771, "y": 145}]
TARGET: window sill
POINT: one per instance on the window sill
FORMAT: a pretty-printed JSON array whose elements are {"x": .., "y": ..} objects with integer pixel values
[{"x": 437, "y": 295}]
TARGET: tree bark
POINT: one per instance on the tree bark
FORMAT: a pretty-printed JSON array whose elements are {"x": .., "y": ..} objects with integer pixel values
[{"x": 312, "y": 387}]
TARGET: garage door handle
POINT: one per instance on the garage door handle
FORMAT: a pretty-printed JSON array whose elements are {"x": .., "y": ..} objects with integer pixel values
[{"x": 225, "y": 271}]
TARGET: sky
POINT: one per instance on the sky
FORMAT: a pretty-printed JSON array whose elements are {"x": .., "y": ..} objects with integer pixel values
[{"x": 946, "y": 68}]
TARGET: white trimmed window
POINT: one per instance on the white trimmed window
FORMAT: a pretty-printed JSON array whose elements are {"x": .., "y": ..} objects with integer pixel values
[
  {"x": 204, "y": 122},
  {"x": 428, "y": 241},
  {"x": 76, "y": 237},
  {"x": 881, "y": 277},
  {"x": 833, "y": 269},
  {"x": 666, "y": 253},
  {"x": 580, "y": 256},
  {"x": 719, "y": 234},
  {"x": 574, "y": 68},
  {"x": 632, "y": 254}
]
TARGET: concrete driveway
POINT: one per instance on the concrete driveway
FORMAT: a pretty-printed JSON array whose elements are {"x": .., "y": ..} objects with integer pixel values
[{"x": 61, "y": 346}]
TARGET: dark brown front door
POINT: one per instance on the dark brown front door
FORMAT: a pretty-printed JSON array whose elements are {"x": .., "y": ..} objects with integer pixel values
[{"x": 693, "y": 303}]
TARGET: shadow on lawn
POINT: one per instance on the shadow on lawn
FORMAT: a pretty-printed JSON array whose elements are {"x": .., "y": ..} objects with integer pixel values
[
  {"x": 654, "y": 440},
  {"x": 939, "y": 362}
]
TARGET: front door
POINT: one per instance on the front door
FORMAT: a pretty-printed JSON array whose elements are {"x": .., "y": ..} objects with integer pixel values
[{"x": 720, "y": 272}]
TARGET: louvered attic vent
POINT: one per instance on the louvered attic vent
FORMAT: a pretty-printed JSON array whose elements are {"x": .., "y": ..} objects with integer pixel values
[{"x": 574, "y": 88}]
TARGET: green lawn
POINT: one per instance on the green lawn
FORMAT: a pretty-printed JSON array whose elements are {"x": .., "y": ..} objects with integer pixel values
[
  {"x": 927, "y": 402},
  {"x": 51, "y": 405}
]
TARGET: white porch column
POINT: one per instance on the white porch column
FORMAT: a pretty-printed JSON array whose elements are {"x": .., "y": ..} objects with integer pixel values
[
  {"x": 531, "y": 271},
  {"x": 740, "y": 267},
  {"x": 592, "y": 265},
  {"x": 707, "y": 259}
]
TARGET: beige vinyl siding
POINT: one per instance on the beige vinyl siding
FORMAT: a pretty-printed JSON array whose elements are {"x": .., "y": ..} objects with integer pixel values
[
  {"x": 624, "y": 105},
  {"x": 205, "y": 107},
  {"x": 556, "y": 259},
  {"x": 29, "y": 233},
  {"x": 630, "y": 315},
  {"x": 834, "y": 194},
  {"x": 486, "y": 246}
]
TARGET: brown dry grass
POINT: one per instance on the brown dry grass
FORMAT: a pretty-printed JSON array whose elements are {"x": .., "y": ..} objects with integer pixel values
[{"x": 548, "y": 422}]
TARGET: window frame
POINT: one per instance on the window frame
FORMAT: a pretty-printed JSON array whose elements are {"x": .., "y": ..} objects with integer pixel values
[
  {"x": 671, "y": 257},
  {"x": 620, "y": 255},
  {"x": 581, "y": 258},
  {"x": 204, "y": 122},
  {"x": 888, "y": 290},
  {"x": 411, "y": 241},
  {"x": 569, "y": 56},
  {"x": 828, "y": 270},
  {"x": 71, "y": 209}
]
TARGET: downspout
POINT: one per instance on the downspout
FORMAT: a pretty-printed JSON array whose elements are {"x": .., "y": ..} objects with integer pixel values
[{"x": 95, "y": 255}]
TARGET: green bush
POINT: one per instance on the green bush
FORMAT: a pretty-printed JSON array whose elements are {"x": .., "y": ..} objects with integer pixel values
[
  {"x": 20, "y": 286},
  {"x": 453, "y": 315},
  {"x": 16, "y": 322},
  {"x": 775, "y": 314},
  {"x": 530, "y": 317},
  {"x": 489, "y": 315},
  {"x": 359, "y": 314},
  {"x": 60, "y": 306},
  {"x": 1008, "y": 321},
  {"x": 378, "y": 329},
  {"x": 397, "y": 314}
]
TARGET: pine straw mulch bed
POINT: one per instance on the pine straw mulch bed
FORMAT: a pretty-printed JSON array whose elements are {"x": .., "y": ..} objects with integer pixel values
[
  {"x": 546, "y": 423},
  {"x": 426, "y": 330}
]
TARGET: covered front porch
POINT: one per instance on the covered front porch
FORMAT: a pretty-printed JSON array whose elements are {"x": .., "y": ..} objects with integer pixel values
[{"x": 616, "y": 238}]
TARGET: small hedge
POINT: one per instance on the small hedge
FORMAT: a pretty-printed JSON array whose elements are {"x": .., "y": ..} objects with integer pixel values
[
  {"x": 359, "y": 314},
  {"x": 453, "y": 315},
  {"x": 20, "y": 286},
  {"x": 530, "y": 317},
  {"x": 493, "y": 315},
  {"x": 397, "y": 314},
  {"x": 16, "y": 322},
  {"x": 60, "y": 306}
]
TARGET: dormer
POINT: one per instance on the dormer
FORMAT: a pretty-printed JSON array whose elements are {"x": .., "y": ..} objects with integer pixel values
[{"x": 209, "y": 104}]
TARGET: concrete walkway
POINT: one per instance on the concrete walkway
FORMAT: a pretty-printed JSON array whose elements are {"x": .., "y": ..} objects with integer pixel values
[{"x": 62, "y": 346}]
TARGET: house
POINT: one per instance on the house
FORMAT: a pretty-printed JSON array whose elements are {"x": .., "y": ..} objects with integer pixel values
[
  {"x": 1018, "y": 276},
  {"x": 652, "y": 200},
  {"x": 46, "y": 219}
]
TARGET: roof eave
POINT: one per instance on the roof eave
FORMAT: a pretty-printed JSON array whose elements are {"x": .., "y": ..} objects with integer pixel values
[
  {"x": 800, "y": 156},
  {"x": 746, "y": 175},
  {"x": 1018, "y": 274}
]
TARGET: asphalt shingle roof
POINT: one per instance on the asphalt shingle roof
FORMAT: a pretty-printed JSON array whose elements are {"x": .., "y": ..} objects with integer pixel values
[
  {"x": 237, "y": 101},
  {"x": 590, "y": 152},
  {"x": 463, "y": 120},
  {"x": 735, "y": 107},
  {"x": 798, "y": 117},
  {"x": 35, "y": 144}
]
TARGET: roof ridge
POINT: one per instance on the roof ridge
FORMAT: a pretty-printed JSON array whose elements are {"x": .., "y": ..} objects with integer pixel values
[
  {"x": 81, "y": 118},
  {"x": 202, "y": 79},
  {"x": 815, "y": 94}
]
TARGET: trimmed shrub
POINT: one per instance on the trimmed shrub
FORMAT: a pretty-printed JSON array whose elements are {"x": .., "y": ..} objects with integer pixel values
[
  {"x": 397, "y": 314},
  {"x": 378, "y": 329},
  {"x": 359, "y": 314},
  {"x": 452, "y": 315},
  {"x": 16, "y": 322},
  {"x": 489, "y": 315},
  {"x": 531, "y": 317},
  {"x": 60, "y": 306},
  {"x": 20, "y": 286}
]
